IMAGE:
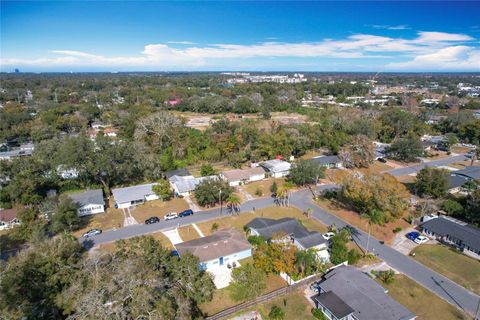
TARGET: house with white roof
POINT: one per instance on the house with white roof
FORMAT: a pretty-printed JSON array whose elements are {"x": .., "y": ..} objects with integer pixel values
[
  {"x": 134, "y": 195},
  {"x": 276, "y": 168},
  {"x": 88, "y": 202},
  {"x": 183, "y": 185},
  {"x": 241, "y": 176}
]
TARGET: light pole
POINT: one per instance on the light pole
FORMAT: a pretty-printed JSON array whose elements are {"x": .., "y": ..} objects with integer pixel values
[{"x": 220, "y": 197}]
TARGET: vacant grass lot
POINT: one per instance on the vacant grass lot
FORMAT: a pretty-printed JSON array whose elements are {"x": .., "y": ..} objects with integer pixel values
[
  {"x": 112, "y": 246},
  {"x": 158, "y": 208},
  {"x": 384, "y": 233},
  {"x": 454, "y": 265},
  {"x": 241, "y": 220},
  {"x": 425, "y": 304},
  {"x": 221, "y": 298},
  {"x": 263, "y": 185}
]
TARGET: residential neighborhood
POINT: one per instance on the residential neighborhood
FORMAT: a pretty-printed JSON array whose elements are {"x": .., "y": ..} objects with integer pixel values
[{"x": 168, "y": 160}]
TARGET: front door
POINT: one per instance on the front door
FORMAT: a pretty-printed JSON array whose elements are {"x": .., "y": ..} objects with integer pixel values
[{"x": 221, "y": 261}]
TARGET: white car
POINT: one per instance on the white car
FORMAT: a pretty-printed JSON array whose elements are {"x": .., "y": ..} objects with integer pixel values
[
  {"x": 328, "y": 235},
  {"x": 421, "y": 239},
  {"x": 171, "y": 215}
]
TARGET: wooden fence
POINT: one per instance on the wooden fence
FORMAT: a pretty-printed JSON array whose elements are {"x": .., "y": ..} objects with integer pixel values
[{"x": 265, "y": 297}]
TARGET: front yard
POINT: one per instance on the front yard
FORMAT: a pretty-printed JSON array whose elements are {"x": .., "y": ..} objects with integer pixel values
[
  {"x": 263, "y": 186},
  {"x": 241, "y": 220},
  {"x": 384, "y": 233},
  {"x": 454, "y": 265},
  {"x": 425, "y": 304},
  {"x": 112, "y": 246},
  {"x": 110, "y": 219},
  {"x": 158, "y": 208}
]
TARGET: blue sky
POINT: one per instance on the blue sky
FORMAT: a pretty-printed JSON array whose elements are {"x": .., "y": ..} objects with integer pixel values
[{"x": 264, "y": 36}]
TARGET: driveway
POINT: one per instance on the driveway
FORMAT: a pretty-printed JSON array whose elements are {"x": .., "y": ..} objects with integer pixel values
[
  {"x": 173, "y": 236},
  {"x": 402, "y": 244}
]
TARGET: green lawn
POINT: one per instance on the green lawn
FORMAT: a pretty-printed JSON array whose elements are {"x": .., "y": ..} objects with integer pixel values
[
  {"x": 452, "y": 264},
  {"x": 294, "y": 304},
  {"x": 425, "y": 304}
]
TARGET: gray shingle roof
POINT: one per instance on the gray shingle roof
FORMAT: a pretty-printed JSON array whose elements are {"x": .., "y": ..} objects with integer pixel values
[
  {"x": 269, "y": 227},
  {"x": 133, "y": 193},
  {"x": 442, "y": 226},
  {"x": 365, "y": 296},
  {"x": 333, "y": 303},
  {"x": 324, "y": 160},
  {"x": 455, "y": 181},
  {"x": 179, "y": 172},
  {"x": 222, "y": 243},
  {"x": 472, "y": 172},
  {"x": 88, "y": 197},
  {"x": 276, "y": 165}
]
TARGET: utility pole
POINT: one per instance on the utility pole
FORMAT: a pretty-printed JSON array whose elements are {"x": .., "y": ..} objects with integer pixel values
[{"x": 220, "y": 197}]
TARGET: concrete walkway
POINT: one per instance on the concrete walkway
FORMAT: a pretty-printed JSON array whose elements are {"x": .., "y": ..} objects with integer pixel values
[
  {"x": 198, "y": 230},
  {"x": 191, "y": 204},
  {"x": 129, "y": 219}
]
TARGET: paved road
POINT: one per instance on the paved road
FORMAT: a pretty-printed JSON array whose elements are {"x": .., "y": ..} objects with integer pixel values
[
  {"x": 433, "y": 163},
  {"x": 428, "y": 278}
]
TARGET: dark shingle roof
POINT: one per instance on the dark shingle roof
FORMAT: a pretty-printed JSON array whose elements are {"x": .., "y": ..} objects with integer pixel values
[
  {"x": 269, "y": 227},
  {"x": 333, "y": 303},
  {"x": 455, "y": 181},
  {"x": 88, "y": 197},
  {"x": 326, "y": 160},
  {"x": 443, "y": 226},
  {"x": 472, "y": 172},
  {"x": 364, "y": 295}
]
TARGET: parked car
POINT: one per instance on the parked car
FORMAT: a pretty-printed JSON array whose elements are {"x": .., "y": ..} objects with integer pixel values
[
  {"x": 171, "y": 215},
  {"x": 328, "y": 235},
  {"x": 152, "y": 220},
  {"x": 382, "y": 160},
  {"x": 185, "y": 213},
  {"x": 421, "y": 239},
  {"x": 412, "y": 235},
  {"x": 92, "y": 232}
]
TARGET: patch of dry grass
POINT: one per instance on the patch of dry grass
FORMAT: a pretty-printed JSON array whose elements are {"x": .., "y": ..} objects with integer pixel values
[
  {"x": 188, "y": 233},
  {"x": 158, "y": 208},
  {"x": 110, "y": 219},
  {"x": 263, "y": 185}
]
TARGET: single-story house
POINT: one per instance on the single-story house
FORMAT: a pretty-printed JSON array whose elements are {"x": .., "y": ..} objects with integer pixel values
[
  {"x": 330, "y": 162},
  {"x": 8, "y": 219},
  {"x": 88, "y": 202},
  {"x": 455, "y": 183},
  {"x": 183, "y": 172},
  {"x": 218, "y": 252},
  {"x": 131, "y": 196},
  {"x": 293, "y": 231},
  {"x": 242, "y": 176},
  {"x": 346, "y": 293},
  {"x": 276, "y": 168},
  {"x": 183, "y": 185},
  {"x": 457, "y": 233},
  {"x": 22, "y": 151}
]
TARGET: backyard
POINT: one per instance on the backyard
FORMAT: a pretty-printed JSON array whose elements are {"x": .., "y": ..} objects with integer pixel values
[
  {"x": 454, "y": 265},
  {"x": 240, "y": 221},
  {"x": 425, "y": 304}
]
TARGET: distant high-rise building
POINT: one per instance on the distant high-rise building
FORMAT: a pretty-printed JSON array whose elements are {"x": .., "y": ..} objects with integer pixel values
[{"x": 17, "y": 70}]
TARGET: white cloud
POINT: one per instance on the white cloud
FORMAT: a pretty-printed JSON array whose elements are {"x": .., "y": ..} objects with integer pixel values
[
  {"x": 397, "y": 27},
  {"x": 451, "y": 49},
  {"x": 454, "y": 58},
  {"x": 182, "y": 42}
]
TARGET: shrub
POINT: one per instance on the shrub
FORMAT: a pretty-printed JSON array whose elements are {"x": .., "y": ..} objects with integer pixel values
[
  {"x": 318, "y": 314},
  {"x": 256, "y": 240},
  {"x": 276, "y": 313},
  {"x": 259, "y": 192},
  {"x": 274, "y": 187},
  {"x": 387, "y": 277},
  {"x": 214, "y": 227},
  {"x": 353, "y": 256},
  {"x": 397, "y": 230}
]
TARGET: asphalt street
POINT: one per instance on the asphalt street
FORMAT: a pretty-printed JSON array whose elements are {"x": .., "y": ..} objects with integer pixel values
[{"x": 433, "y": 163}]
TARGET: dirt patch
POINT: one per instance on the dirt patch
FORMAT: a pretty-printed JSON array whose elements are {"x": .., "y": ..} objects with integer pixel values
[{"x": 384, "y": 232}]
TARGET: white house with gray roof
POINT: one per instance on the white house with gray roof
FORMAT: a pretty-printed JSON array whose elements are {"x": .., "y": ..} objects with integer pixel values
[
  {"x": 276, "y": 168},
  {"x": 183, "y": 185},
  {"x": 88, "y": 202},
  {"x": 346, "y": 293},
  {"x": 134, "y": 195}
]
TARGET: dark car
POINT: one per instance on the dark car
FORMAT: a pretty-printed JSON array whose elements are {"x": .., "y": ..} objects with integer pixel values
[
  {"x": 185, "y": 213},
  {"x": 382, "y": 160},
  {"x": 412, "y": 235},
  {"x": 152, "y": 220}
]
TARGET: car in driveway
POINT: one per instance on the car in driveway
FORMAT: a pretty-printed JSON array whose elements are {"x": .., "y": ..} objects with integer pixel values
[
  {"x": 91, "y": 232},
  {"x": 328, "y": 235},
  {"x": 152, "y": 220},
  {"x": 171, "y": 215},
  {"x": 185, "y": 213},
  {"x": 421, "y": 239},
  {"x": 412, "y": 235}
]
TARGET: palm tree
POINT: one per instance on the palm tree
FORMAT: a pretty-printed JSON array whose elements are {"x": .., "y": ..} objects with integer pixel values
[
  {"x": 306, "y": 260},
  {"x": 373, "y": 216},
  {"x": 233, "y": 202}
]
